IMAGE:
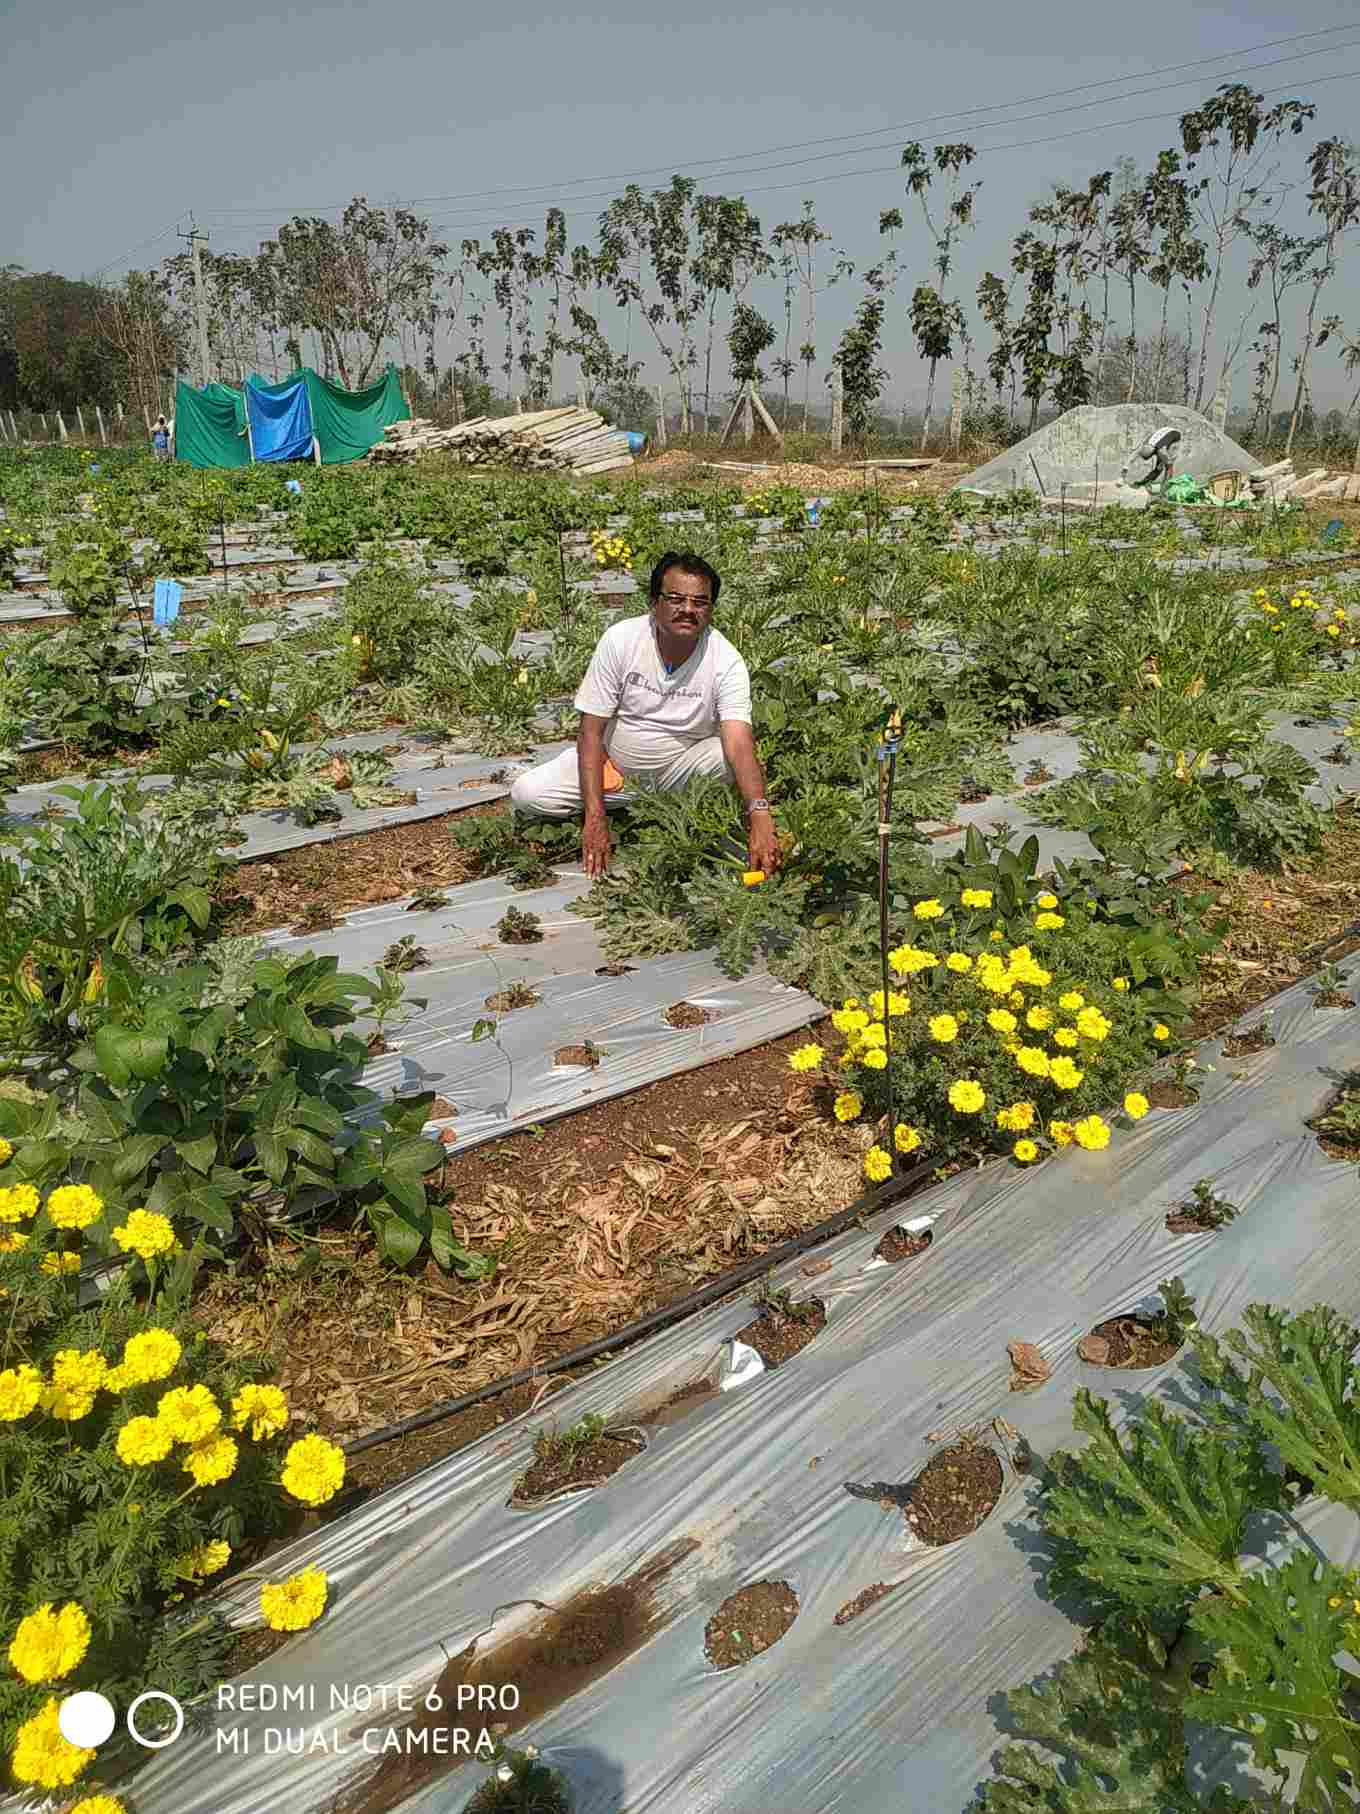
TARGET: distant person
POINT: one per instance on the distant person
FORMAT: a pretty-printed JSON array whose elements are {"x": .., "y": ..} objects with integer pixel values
[{"x": 160, "y": 438}]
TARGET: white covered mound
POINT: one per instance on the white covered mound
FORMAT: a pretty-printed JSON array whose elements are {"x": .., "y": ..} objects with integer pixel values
[{"x": 1093, "y": 445}]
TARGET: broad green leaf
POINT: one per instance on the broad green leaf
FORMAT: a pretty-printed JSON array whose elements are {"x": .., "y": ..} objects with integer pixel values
[
  {"x": 209, "y": 1032},
  {"x": 357, "y": 1170},
  {"x": 195, "y": 901},
  {"x": 398, "y": 1240},
  {"x": 134, "y": 1155},
  {"x": 140, "y": 1055},
  {"x": 184, "y": 1196},
  {"x": 111, "y": 1059},
  {"x": 408, "y": 1114},
  {"x": 311, "y": 1146},
  {"x": 104, "y": 1115},
  {"x": 198, "y": 1154},
  {"x": 405, "y": 1168}
]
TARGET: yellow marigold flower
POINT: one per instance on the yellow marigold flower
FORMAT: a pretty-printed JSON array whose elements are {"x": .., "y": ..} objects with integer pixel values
[
  {"x": 877, "y": 1165},
  {"x": 1033, "y": 1060},
  {"x": 1016, "y": 998},
  {"x": 1065, "y": 1074},
  {"x": 959, "y": 962},
  {"x": 313, "y": 1470},
  {"x": 1092, "y": 1133},
  {"x": 6, "y": 1152},
  {"x": 142, "y": 1441},
  {"x": 898, "y": 1004},
  {"x": 1019, "y": 954},
  {"x": 73, "y": 1206},
  {"x": 261, "y": 1411},
  {"x": 1136, "y": 1105},
  {"x": 752, "y": 878},
  {"x": 57, "y": 1262},
  {"x": 190, "y": 1413},
  {"x": 48, "y": 1644},
  {"x": 18, "y": 1202},
  {"x": 1001, "y": 1020},
  {"x": 851, "y": 1001},
  {"x": 67, "y": 1404},
  {"x": 42, "y": 1756},
  {"x": 847, "y": 1105},
  {"x": 212, "y": 1460},
  {"x": 1039, "y": 1019},
  {"x": 1332, "y": 630},
  {"x": 204, "y": 1559},
  {"x": 1161, "y": 1032},
  {"x": 13, "y": 1242},
  {"x": 296, "y": 1603},
  {"x": 1092, "y": 1024},
  {"x": 1071, "y": 1001},
  {"x": 1049, "y": 922},
  {"x": 1025, "y": 1151},
  {"x": 906, "y": 1139},
  {"x": 79, "y": 1370},
  {"x": 1065, "y": 1036},
  {"x": 996, "y": 982},
  {"x": 943, "y": 1028},
  {"x": 1046, "y": 900},
  {"x": 1121, "y": 984},
  {"x": 928, "y": 910},
  {"x": 150, "y": 1354},
  {"x": 1016, "y": 1118},
  {"x": 1060, "y": 1132},
  {"x": 1034, "y": 974},
  {"x": 806, "y": 1058},
  {"x": 20, "y": 1389},
  {"x": 98, "y": 1804},
  {"x": 966, "y": 1097},
  {"x": 875, "y": 1059},
  {"x": 996, "y": 935},
  {"x": 976, "y": 897},
  {"x": 145, "y": 1233}
]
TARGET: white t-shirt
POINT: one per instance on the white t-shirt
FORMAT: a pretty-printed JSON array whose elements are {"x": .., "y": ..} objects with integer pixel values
[{"x": 654, "y": 716}]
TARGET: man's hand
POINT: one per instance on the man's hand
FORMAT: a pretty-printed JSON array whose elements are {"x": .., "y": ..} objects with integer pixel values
[
  {"x": 596, "y": 848},
  {"x": 762, "y": 846}
]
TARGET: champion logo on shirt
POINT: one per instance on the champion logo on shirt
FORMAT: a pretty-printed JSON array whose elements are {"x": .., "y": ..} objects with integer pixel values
[{"x": 640, "y": 680}]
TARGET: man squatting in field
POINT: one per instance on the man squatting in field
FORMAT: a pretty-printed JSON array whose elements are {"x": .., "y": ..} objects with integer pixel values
[{"x": 666, "y": 700}]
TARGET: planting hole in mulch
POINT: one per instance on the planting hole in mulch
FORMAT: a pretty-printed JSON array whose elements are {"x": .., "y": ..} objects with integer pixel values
[
  {"x": 783, "y": 1328},
  {"x": 585, "y": 1055},
  {"x": 534, "y": 1789},
  {"x": 749, "y": 1622},
  {"x": 1332, "y": 998},
  {"x": 505, "y": 1001},
  {"x": 377, "y": 1045},
  {"x": 680, "y": 1403},
  {"x": 863, "y": 1601},
  {"x": 1170, "y": 1095},
  {"x": 585, "y": 1455},
  {"x": 1255, "y": 1039},
  {"x": 900, "y": 1244},
  {"x": 562, "y": 1651},
  {"x": 685, "y": 1014},
  {"x": 971, "y": 791},
  {"x": 1338, "y": 1126},
  {"x": 616, "y": 969},
  {"x": 1125, "y": 1341},
  {"x": 954, "y": 1492}
]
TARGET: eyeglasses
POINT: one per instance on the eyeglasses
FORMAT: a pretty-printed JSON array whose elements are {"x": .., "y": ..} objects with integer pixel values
[{"x": 679, "y": 598}]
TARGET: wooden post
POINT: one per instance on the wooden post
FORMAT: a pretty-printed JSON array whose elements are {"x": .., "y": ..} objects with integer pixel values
[
  {"x": 837, "y": 413},
  {"x": 61, "y": 425},
  {"x": 146, "y": 417},
  {"x": 81, "y": 420},
  {"x": 13, "y": 426},
  {"x": 43, "y": 419},
  {"x": 748, "y": 415},
  {"x": 316, "y": 450},
  {"x": 771, "y": 425},
  {"x": 1220, "y": 404},
  {"x": 956, "y": 412},
  {"x": 580, "y": 396},
  {"x": 99, "y": 418},
  {"x": 660, "y": 417},
  {"x": 4, "y": 431}
]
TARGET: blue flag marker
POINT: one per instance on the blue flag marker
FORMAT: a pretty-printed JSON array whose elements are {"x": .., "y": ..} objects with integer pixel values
[
  {"x": 1332, "y": 530},
  {"x": 168, "y": 594},
  {"x": 293, "y": 485}
]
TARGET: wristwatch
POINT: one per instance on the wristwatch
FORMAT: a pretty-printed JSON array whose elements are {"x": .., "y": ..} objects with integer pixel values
[{"x": 757, "y": 806}]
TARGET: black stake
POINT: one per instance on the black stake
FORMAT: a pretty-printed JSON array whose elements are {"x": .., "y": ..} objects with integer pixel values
[
  {"x": 222, "y": 525},
  {"x": 887, "y": 771}
]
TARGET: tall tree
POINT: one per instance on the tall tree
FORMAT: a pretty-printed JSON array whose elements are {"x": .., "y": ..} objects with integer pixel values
[
  {"x": 801, "y": 238},
  {"x": 858, "y": 352},
  {"x": 729, "y": 252},
  {"x": 1167, "y": 206},
  {"x": 935, "y": 316},
  {"x": 1334, "y": 199},
  {"x": 655, "y": 234}
]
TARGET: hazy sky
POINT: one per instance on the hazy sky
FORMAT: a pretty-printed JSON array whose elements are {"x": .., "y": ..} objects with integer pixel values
[{"x": 123, "y": 120}]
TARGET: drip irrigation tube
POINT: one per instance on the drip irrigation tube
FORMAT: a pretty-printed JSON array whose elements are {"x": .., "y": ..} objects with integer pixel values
[{"x": 869, "y": 1204}]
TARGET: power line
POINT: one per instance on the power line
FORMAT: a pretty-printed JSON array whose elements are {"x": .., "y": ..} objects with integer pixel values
[
  {"x": 163, "y": 234},
  {"x": 901, "y": 128}
]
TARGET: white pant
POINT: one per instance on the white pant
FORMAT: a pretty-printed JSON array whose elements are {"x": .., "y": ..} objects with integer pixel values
[{"x": 552, "y": 789}]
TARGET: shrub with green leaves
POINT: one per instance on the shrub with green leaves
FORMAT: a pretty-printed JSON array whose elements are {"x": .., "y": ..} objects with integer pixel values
[{"x": 139, "y": 1460}]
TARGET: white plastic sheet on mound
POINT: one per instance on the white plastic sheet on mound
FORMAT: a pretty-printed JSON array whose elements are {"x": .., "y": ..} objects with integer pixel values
[
  {"x": 897, "y": 1710},
  {"x": 514, "y": 1082}
]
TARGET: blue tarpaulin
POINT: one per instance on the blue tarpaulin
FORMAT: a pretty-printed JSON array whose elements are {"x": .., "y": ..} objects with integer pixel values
[{"x": 280, "y": 420}]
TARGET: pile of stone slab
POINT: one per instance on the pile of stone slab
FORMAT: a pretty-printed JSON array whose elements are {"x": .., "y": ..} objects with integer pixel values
[
  {"x": 1275, "y": 484},
  {"x": 549, "y": 440}
]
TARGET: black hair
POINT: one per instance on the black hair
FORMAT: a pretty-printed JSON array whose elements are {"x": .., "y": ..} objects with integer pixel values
[{"x": 687, "y": 562}]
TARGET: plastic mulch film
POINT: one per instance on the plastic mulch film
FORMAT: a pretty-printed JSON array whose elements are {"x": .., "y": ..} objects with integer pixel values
[
  {"x": 514, "y": 1081},
  {"x": 895, "y": 1709}
]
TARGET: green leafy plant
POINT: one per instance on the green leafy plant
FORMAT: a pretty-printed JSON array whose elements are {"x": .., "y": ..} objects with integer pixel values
[
  {"x": 406, "y": 954},
  {"x": 516, "y": 928}
]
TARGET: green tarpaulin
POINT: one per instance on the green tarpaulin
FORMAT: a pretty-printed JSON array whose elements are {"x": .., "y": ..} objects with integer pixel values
[{"x": 210, "y": 424}]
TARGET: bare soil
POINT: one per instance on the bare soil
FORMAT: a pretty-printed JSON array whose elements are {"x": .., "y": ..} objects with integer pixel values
[
  {"x": 776, "y": 1337},
  {"x": 1125, "y": 1341},
  {"x": 563, "y": 1651},
  {"x": 1169, "y": 1095},
  {"x": 1255, "y": 1039},
  {"x": 862, "y": 1601},
  {"x": 505, "y": 1001},
  {"x": 749, "y": 1622},
  {"x": 954, "y": 1492},
  {"x": 560, "y": 1467},
  {"x": 898, "y": 1245},
  {"x": 1332, "y": 998},
  {"x": 679, "y": 1404},
  {"x": 685, "y": 1014},
  {"x": 587, "y": 1056},
  {"x": 535, "y": 1790}
]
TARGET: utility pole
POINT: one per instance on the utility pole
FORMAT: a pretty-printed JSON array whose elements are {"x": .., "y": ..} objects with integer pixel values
[{"x": 200, "y": 301}]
